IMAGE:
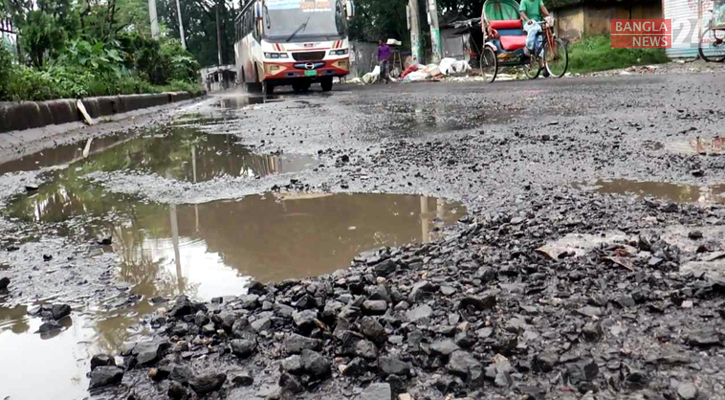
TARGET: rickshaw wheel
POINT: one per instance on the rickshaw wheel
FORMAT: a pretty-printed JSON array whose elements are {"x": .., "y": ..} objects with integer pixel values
[
  {"x": 532, "y": 69},
  {"x": 712, "y": 45},
  {"x": 556, "y": 60},
  {"x": 489, "y": 64}
]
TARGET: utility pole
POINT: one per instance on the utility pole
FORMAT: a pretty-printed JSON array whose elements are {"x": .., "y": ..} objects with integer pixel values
[
  {"x": 218, "y": 35},
  {"x": 414, "y": 27},
  {"x": 154, "y": 20},
  {"x": 219, "y": 71},
  {"x": 435, "y": 32},
  {"x": 181, "y": 25}
]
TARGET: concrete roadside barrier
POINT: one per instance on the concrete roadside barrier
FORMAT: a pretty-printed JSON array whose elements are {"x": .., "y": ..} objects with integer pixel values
[
  {"x": 63, "y": 111},
  {"x": 17, "y": 116}
]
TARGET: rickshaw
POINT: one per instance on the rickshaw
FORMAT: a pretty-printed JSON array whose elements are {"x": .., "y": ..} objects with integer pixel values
[
  {"x": 712, "y": 40},
  {"x": 504, "y": 42}
]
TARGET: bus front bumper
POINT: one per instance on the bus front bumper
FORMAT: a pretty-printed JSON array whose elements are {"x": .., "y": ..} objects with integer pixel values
[{"x": 306, "y": 69}]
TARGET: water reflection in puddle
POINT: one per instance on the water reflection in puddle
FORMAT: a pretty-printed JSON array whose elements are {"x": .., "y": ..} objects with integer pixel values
[
  {"x": 59, "y": 360},
  {"x": 213, "y": 249},
  {"x": 406, "y": 119},
  {"x": 666, "y": 191},
  {"x": 189, "y": 155},
  {"x": 241, "y": 101},
  {"x": 181, "y": 153},
  {"x": 204, "y": 251},
  {"x": 60, "y": 155}
]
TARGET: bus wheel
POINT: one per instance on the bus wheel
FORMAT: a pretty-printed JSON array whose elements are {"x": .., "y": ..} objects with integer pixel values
[
  {"x": 326, "y": 84},
  {"x": 253, "y": 87},
  {"x": 267, "y": 87}
]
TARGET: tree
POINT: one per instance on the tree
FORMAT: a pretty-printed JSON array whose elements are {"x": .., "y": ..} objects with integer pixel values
[
  {"x": 379, "y": 19},
  {"x": 465, "y": 8},
  {"x": 45, "y": 25},
  {"x": 199, "y": 18}
]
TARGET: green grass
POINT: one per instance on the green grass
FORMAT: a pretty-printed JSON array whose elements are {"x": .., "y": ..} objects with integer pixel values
[{"x": 595, "y": 53}]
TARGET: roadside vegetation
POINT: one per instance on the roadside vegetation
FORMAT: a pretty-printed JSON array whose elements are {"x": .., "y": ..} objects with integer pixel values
[
  {"x": 595, "y": 53},
  {"x": 68, "y": 49}
]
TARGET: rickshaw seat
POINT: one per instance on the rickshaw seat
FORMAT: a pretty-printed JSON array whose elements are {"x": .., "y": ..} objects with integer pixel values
[
  {"x": 506, "y": 24},
  {"x": 509, "y": 32},
  {"x": 511, "y": 43}
]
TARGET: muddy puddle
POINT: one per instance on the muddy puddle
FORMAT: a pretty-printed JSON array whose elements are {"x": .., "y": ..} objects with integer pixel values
[
  {"x": 62, "y": 155},
  {"x": 419, "y": 119},
  {"x": 213, "y": 249},
  {"x": 241, "y": 101},
  {"x": 182, "y": 153},
  {"x": 60, "y": 360},
  {"x": 665, "y": 191},
  {"x": 203, "y": 251}
]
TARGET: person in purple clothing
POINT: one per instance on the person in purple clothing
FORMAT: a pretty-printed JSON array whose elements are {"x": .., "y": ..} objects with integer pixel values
[{"x": 383, "y": 56}]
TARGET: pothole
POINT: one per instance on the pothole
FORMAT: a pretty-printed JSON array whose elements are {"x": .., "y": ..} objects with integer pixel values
[
  {"x": 62, "y": 155},
  {"x": 678, "y": 193},
  {"x": 215, "y": 248},
  {"x": 203, "y": 251},
  {"x": 182, "y": 153},
  {"x": 237, "y": 102},
  {"x": 66, "y": 351},
  {"x": 406, "y": 120}
]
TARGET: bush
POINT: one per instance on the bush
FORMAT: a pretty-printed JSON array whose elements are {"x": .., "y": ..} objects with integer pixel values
[
  {"x": 72, "y": 81},
  {"x": 6, "y": 65},
  {"x": 30, "y": 84},
  {"x": 180, "y": 64},
  {"x": 134, "y": 85},
  {"x": 131, "y": 65},
  {"x": 102, "y": 58},
  {"x": 595, "y": 53},
  {"x": 160, "y": 62}
]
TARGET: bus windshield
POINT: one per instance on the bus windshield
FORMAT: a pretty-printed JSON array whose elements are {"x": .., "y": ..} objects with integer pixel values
[{"x": 303, "y": 20}]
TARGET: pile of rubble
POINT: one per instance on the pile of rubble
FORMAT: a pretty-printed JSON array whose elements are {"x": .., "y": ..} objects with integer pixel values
[{"x": 419, "y": 72}]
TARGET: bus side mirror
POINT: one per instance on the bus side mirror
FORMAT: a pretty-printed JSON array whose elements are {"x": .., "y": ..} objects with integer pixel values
[{"x": 350, "y": 9}]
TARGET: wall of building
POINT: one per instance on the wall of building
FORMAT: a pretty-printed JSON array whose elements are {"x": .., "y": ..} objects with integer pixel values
[
  {"x": 593, "y": 19},
  {"x": 569, "y": 21}
]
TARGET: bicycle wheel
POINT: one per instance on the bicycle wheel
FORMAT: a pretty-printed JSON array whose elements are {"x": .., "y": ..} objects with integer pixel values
[
  {"x": 489, "y": 64},
  {"x": 712, "y": 45},
  {"x": 556, "y": 60},
  {"x": 532, "y": 69}
]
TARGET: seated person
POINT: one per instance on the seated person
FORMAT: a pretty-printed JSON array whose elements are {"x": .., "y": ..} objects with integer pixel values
[{"x": 532, "y": 10}]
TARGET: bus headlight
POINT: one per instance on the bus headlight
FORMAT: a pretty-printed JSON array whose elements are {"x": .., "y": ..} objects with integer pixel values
[
  {"x": 275, "y": 55},
  {"x": 338, "y": 52}
]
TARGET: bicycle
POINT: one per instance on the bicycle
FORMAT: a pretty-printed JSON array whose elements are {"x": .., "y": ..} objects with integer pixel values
[
  {"x": 555, "y": 62},
  {"x": 712, "y": 44}
]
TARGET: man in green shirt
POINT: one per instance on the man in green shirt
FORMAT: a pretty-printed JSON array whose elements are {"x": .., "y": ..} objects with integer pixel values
[{"x": 532, "y": 9}]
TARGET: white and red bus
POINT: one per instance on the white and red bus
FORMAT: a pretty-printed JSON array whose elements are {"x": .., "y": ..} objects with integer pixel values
[{"x": 292, "y": 42}]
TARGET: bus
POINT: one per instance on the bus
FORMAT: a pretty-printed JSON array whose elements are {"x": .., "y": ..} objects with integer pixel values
[{"x": 292, "y": 42}]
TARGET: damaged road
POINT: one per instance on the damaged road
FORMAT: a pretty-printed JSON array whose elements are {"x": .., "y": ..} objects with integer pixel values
[{"x": 543, "y": 239}]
